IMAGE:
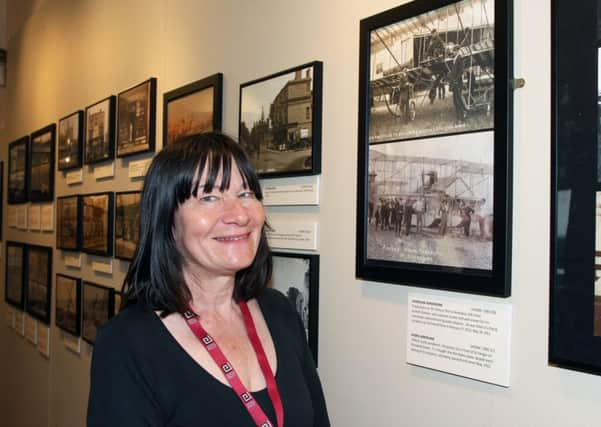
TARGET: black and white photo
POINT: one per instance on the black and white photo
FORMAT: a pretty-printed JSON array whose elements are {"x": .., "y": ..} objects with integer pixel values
[
  {"x": 70, "y": 141},
  {"x": 127, "y": 223},
  {"x": 68, "y": 304},
  {"x": 14, "y": 292},
  {"x": 41, "y": 164},
  {"x": 97, "y": 224},
  {"x": 68, "y": 222},
  {"x": 136, "y": 117},
  {"x": 96, "y": 309},
  {"x": 100, "y": 131},
  {"x": 38, "y": 287},
  {"x": 18, "y": 156}
]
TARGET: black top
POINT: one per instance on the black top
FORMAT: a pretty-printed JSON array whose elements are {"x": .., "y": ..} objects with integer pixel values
[{"x": 141, "y": 376}]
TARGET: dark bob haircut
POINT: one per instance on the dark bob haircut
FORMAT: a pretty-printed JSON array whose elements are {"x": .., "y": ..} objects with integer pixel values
[{"x": 155, "y": 276}]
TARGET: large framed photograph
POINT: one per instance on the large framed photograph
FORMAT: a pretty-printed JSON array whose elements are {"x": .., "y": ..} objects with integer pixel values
[
  {"x": 127, "y": 223},
  {"x": 575, "y": 285},
  {"x": 297, "y": 277},
  {"x": 68, "y": 222},
  {"x": 70, "y": 141},
  {"x": 97, "y": 309},
  {"x": 97, "y": 223},
  {"x": 280, "y": 121},
  {"x": 18, "y": 180},
  {"x": 192, "y": 109},
  {"x": 136, "y": 119},
  {"x": 38, "y": 289},
  {"x": 435, "y": 138},
  {"x": 100, "y": 131},
  {"x": 41, "y": 164},
  {"x": 14, "y": 291},
  {"x": 68, "y": 304}
]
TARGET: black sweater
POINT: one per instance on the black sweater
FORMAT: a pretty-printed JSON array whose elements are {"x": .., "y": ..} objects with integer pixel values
[{"x": 141, "y": 376}]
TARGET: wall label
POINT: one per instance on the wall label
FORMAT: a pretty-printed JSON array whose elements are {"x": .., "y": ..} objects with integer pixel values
[
  {"x": 138, "y": 168},
  {"x": 34, "y": 217},
  {"x": 291, "y": 191},
  {"x": 104, "y": 171},
  {"x": 74, "y": 177},
  {"x": 293, "y": 235}
]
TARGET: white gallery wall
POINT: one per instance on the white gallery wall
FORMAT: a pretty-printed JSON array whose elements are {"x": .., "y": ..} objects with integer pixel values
[{"x": 70, "y": 54}]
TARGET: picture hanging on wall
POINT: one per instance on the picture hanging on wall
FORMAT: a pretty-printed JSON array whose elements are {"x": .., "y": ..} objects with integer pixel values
[
  {"x": 68, "y": 223},
  {"x": 70, "y": 138},
  {"x": 117, "y": 304},
  {"x": 17, "y": 170},
  {"x": 280, "y": 121},
  {"x": 136, "y": 119},
  {"x": 97, "y": 309},
  {"x": 192, "y": 109},
  {"x": 575, "y": 285},
  {"x": 297, "y": 276},
  {"x": 97, "y": 224},
  {"x": 14, "y": 292},
  {"x": 68, "y": 304},
  {"x": 1, "y": 196},
  {"x": 127, "y": 223},
  {"x": 434, "y": 161},
  {"x": 38, "y": 289},
  {"x": 100, "y": 131},
  {"x": 41, "y": 164}
]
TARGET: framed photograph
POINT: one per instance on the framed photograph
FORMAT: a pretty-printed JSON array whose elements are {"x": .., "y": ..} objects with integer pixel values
[
  {"x": 38, "y": 289},
  {"x": 192, "y": 109},
  {"x": 18, "y": 180},
  {"x": 97, "y": 223},
  {"x": 68, "y": 304},
  {"x": 68, "y": 222},
  {"x": 280, "y": 121},
  {"x": 70, "y": 141},
  {"x": 127, "y": 223},
  {"x": 117, "y": 303},
  {"x": 297, "y": 277},
  {"x": 1, "y": 196},
  {"x": 575, "y": 279},
  {"x": 435, "y": 138},
  {"x": 97, "y": 309},
  {"x": 41, "y": 164},
  {"x": 136, "y": 119},
  {"x": 100, "y": 131},
  {"x": 14, "y": 292}
]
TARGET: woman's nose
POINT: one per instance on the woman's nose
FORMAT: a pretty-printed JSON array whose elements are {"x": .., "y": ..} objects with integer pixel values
[{"x": 235, "y": 211}]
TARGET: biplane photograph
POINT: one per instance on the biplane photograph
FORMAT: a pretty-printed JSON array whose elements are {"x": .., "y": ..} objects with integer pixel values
[{"x": 433, "y": 74}]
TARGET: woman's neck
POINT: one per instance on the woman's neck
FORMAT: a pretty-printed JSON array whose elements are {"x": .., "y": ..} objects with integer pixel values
[{"x": 212, "y": 297}]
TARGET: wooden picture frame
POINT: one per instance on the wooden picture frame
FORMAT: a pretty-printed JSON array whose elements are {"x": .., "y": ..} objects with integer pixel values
[
  {"x": 99, "y": 141},
  {"x": 97, "y": 223},
  {"x": 38, "y": 282},
  {"x": 68, "y": 222},
  {"x": 70, "y": 141},
  {"x": 18, "y": 168},
  {"x": 136, "y": 119},
  {"x": 96, "y": 309},
  {"x": 67, "y": 311},
  {"x": 14, "y": 291}
]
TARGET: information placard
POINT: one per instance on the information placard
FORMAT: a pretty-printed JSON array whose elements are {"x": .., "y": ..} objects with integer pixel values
[
  {"x": 20, "y": 322},
  {"x": 295, "y": 191},
  {"x": 104, "y": 171},
  {"x": 22, "y": 217},
  {"x": 12, "y": 216},
  {"x": 138, "y": 168},
  {"x": 74, "y": 177},
  {"x": 44, "y": 340},
  {"x": 103, "y": 266},
  {"x": 72, "y": 259},
  {"x": 292, "y": 234},
  {"x": 31, "y": 329},
  {"x": 465, "y": 337},
  {"x": 47, "y": 217},
  {"x": 33, "y": 214}
]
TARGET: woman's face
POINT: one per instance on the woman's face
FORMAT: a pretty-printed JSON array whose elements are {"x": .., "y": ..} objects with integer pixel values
[{"x": 218, "y": 233}]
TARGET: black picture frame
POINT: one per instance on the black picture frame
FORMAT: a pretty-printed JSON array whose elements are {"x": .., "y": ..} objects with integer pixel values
[
  {"x": 575, "y": 290},
  {"x": 296, "y": 275},
  {"x": 99, "y": 137},
  {"x": 41, "y": 164},
  {"x": 38, "y": 282},
  {"x": 282, "y": 135},
  {"x": 67, "y": 310},
  {"x": 96, "y": 309},
  {"x": 97, "y": 223},
  {"x": 70, "y": 141},
  {"x": 127, "y": 223},
  {"x": 416, "y": 206},
  {"x": 14, "y": 291},
  {"x": 18, "y": 167},
  {"x": 68, "y": 222},
  {"x": 193, "y": 108},
  {"x": 136, "y": 119}
]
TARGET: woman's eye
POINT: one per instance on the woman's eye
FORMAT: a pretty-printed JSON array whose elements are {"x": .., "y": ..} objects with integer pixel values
[
  {"x": 209, "y": 198},
  {"x": 247, "y": 195}
]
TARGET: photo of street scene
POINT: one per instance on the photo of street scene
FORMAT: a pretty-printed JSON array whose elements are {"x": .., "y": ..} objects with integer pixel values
[
  {"x": 17, "y": 165},
  {"x": 42, "y": 165},
  {"x": 433, "y": 74},
  {"x": 276, "y": 122},
  {"x": 134, "y": 119},
  {"x": 14, "y": 274},
  {"x": 127, "y": 224},
  {"x": 69, "y": 141},
  {"x": 597, "y": 292},
  {"x": 38, "y": 282},
  {"x": 98, "y": 131},
  {"x": 189, "y": 115},
  {"x": 96, "y": 309},
  {"x": 68, "y": 291},
  {"x": 95, "y": 226},
  {"x": 67, "y": 221},
  {"x": 431, "y": 201}
]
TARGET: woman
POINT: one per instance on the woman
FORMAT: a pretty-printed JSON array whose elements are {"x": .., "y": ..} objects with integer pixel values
[{"x": 200, "y": 338}]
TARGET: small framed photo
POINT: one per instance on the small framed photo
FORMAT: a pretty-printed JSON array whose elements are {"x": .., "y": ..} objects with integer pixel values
[
  {"x": 38, "y": 281},
  {"x": 192, "y": 109},
  {"x": 14, "y": 293},
  {"x": 280, "y": 121},
  {"x": 97, "y": 223},
  {"x": 100, "y": 131},
  {"x": 68, "y": 304},
  {"x": 68, "y": 223},
  {"x": 97, "y": 309},
  {"x": 41, "y": 164},
  {"x": 297, "y": 277},
  {"x": 18, "y": 180},
  {"x": 117, "y": 303},
  {"x": 70, "y": 141},
  {"x": 127, "y": 223},
  {"x": 136, "y": 119}
]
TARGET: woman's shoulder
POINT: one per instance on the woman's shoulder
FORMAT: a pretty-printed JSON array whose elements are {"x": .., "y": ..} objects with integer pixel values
[{"x": 132, "y": 323}]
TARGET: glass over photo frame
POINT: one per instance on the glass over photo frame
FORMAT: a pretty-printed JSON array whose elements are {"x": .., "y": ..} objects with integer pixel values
[
  {"x": 96, "y": 309},
  {"x": 14, "y": 291},
  {"x": 280, "y": 121},
  {"x": 18, "y": 177},
  {"x": 435, "y": 146},
  {"x": 127, "y": 223},
  {"x": 136, "y": 119},
  {"x": 68, "y": 222},
  {"x": 41, "y": 164},
  {"x": 575, "y": 262},
  {"x": 97, "y": 216},
  {"x": 70, "y": 141},
  {"x": 99, "y": 141},
  {"x": 67, "y": 311},
  {"x": 38, "y": 282}
]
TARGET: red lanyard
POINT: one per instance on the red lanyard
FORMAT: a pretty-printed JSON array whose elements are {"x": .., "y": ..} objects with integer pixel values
[{"x": 230, "y": 374}]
